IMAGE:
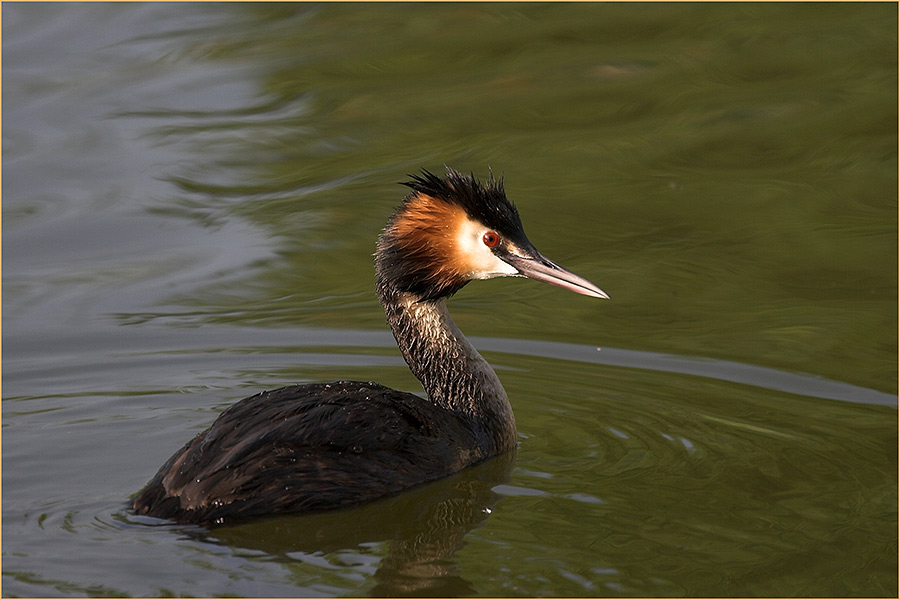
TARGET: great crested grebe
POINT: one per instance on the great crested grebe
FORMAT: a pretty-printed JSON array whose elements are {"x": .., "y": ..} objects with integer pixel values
[{"x": 328, "y": 445}]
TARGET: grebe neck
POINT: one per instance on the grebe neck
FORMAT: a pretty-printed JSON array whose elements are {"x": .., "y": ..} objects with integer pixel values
[{"x": 455, "y": 376}]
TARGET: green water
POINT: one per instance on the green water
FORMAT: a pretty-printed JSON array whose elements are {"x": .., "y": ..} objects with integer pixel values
[{"x": 191, "y": 198}]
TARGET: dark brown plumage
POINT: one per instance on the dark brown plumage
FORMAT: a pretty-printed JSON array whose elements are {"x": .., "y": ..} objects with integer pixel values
[{"x": 314, "y": 443}]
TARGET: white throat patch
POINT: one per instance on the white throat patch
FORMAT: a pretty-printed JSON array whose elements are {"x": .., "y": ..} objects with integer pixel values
[{"x": 475, "y": 257}]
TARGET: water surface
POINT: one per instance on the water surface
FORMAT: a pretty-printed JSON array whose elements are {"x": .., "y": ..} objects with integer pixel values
[{"x": 191, "y": 198}]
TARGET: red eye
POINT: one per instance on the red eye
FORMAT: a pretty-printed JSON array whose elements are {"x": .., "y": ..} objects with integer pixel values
[{"x": 490, "y": 239}]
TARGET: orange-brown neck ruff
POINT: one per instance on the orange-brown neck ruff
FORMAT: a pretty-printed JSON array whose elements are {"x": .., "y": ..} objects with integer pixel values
[{"x": 418, "y": 254}]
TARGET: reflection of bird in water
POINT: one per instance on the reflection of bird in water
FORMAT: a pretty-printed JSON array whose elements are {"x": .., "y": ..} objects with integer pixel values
[
  {"x": 410, "y": 539},
  {"x": 327, "y": 445}
]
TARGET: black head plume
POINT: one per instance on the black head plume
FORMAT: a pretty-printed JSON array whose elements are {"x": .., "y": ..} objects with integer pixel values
[{"x": 485, "y": 202}]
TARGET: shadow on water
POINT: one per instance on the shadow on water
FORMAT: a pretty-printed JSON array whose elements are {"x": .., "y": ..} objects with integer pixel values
[
  {"x": 420, "y": 530},
  {"x": 300, "y": 342},
  {"x": 724, "y": 370}
]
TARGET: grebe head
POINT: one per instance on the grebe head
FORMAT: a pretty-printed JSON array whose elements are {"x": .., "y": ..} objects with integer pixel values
[{"x": 451, "y": 230}]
